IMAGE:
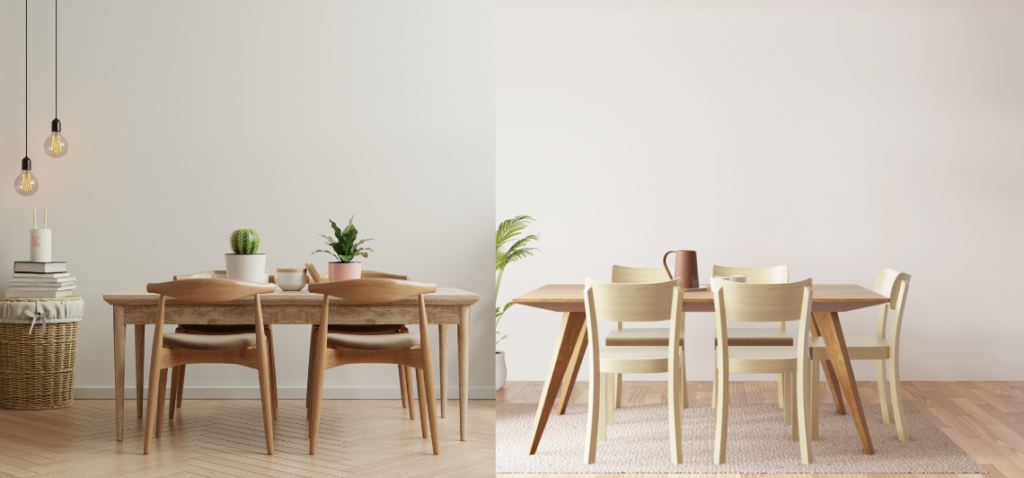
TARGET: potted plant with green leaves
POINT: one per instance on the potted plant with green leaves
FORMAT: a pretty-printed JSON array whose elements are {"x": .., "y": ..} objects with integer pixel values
[
  {"x": 345, "y": 248},
  {"x": 508, "y": 248},
  {"x": 245, "y": 263}
]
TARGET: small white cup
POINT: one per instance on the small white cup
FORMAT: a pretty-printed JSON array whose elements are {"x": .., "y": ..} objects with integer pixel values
[
  {"x": 716, "y": 281},
  {"x": 291, "y": 279},
  {"x": 39, "y": 245}
]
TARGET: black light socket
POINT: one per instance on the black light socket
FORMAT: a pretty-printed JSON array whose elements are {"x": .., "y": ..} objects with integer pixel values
[
  {"x": 55, "y": 125},
  {"x": 26, "y": 164}
]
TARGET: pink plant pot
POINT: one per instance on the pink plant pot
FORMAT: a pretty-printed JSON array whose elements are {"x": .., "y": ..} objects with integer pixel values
[{"x": 344, "y": 270}]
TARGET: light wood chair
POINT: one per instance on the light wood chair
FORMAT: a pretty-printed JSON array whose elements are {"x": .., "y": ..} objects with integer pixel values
[
  {"x": 404, "y": 373},
  {"x": 178, "y": 373},
  {"x": 172, "y": 350},
  {"x": 749, "y": 336},
  {"x": 410, "y": 350},
  {"x": 649, "y": 337},
  {"x": 611, "y": 302},
  {"x": 895, "y": 285},
  {"x": 744, "y": 302}
]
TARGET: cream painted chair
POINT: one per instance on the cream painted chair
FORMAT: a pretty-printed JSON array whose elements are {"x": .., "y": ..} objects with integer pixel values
[
  {"x": 641, "y": 336},
  {"x": 895, "y": 285},
  {"x": 743, "y": 302},
  {"x": 609, "y": 302},
  {"x": 760, "y": 336}
]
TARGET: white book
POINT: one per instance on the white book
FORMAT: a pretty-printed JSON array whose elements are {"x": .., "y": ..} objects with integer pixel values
[
  {"x": 41, "y": 275},
  {"x": 40, "y": 267},
  {"x": 51, "y": 283},
  {"x": 21, "y": 288},
  {"x": 55, "y": 294}
]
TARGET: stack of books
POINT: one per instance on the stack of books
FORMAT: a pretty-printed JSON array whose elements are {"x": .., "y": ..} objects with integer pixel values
[{"x": 40, "y": 280}]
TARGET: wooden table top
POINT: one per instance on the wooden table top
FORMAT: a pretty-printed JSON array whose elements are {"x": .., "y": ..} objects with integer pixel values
[
  {"x": 827, "y": 298},
  {"x": 443, "y": 296}
]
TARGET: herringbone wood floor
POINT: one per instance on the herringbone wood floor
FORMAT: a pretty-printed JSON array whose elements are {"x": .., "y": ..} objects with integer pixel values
[
  {"x": 225, "y": 438},
  {"x": 986, "y": 419}
]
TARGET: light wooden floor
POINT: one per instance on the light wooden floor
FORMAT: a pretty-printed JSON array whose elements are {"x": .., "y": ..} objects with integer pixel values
[
  {"x": 225, "y": 438},
  {"x": 984, "y": 418}
]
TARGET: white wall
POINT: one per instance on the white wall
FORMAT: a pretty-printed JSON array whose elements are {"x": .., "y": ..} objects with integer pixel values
[
  {"x": 838, "y": 139},
  {"x": 187, "y": 120}
]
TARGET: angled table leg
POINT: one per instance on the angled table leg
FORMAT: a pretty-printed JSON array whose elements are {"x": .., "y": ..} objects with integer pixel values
[
  {"x": 835, "y": 342},
  {"x": 830, "y": 376},
  {"x": 119, "y": 338},
  {"x": 140, "y": 366},
  {"x": 463, "y": 337},
  {"x": 568, "y": 336},
  {"x": 574, "y": 369}
]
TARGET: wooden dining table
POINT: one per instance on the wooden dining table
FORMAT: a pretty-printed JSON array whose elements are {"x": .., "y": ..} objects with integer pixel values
[
  {"x": 448, "y": 306},
  {"x": 571, "y": 344}
]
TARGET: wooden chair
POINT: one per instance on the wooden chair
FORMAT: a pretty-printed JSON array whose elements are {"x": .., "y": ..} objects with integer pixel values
[
  {"x": 404, "y": 374},
  {"x": 178, "y": 373},
  {"x": 764, "y": 303},
  {"x": 894, "y": 284},
  {"x": 760, "y": 336},
  {"x": 642, "y": 336},
  {"x": 612, "y": 302},
  {"x": 410, "y": 350},
  {"x": 172, "y": 350}
]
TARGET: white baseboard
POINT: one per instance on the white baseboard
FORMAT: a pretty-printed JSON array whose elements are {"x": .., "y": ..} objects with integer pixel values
[{"x": 284, "y": 393}]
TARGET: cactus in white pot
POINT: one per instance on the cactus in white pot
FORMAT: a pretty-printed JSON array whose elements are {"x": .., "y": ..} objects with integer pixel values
[{"x": 245, "y": 263}]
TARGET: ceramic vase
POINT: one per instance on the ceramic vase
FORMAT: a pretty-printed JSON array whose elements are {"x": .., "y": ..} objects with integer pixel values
[
  {"x": 39, "y": 248},
  {"x": 344, "y": 270},
  {"x": 500, "y": 370},
  {"x": 246, "y": 267}
]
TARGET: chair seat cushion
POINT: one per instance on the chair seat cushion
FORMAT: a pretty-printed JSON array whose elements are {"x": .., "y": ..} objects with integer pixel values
[
  {"x": 859, "y": 347},
  {"x": 373, "y": 342},
  {"x": 634, "y": 359},
  {"x": 364, "y": 329},
  {"x": 758, "y": 336},
  {"x": 219, "y": 329},
  {"x": 210, "y": 342},
  {"x": 639, "y": 336}
]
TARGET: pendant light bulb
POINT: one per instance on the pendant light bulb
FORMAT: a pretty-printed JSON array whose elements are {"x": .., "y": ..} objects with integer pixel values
[
  {"x": 56, "y": 145},
  {"x": 26, "y": 184}
]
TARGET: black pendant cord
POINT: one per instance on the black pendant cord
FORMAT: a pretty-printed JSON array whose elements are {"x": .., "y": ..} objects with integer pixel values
[
  {"x": 26, "y": 78},
  {"x": 54, "y": 58}
]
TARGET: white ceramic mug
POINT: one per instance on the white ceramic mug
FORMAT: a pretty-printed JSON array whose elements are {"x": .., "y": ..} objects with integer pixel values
[
  {"x": 39, "y": 249},
  {"x": 716, "y": 281},
  {"x": 291, "y": 279}
]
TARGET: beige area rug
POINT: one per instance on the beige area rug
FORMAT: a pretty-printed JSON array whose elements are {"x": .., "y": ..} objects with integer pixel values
[{"x": 758, "y": 442}]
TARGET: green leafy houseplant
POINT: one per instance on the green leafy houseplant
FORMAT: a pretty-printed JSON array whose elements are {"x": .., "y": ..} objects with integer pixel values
[
  {"x": 344, "y": 246},
  {"x": 245, "y": 241},
  {"x": 509, "y": 248}
]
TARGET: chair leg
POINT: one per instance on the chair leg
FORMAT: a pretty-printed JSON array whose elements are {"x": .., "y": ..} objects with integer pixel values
[
  {"x": 897, "y": 398},
  {"x": 882, "y": 392},
  {"x": 793, "y": 392},
  {"x": 721, "y": 415},
  {"x": 610, "y": 404},
  {"x": 423, "y": 401},
  {"x": 714, "y": 386},
  {"x": 151, "y": 413},
  {"x": 593, "y": 417},
  {"x": 676, "y": 387},
  {"x": 803, "y": 416},
  {"x": 617, "y": 392},
  {"x": 273, "y": 371},
  {"x": 787, "y": 393},
  {"x": 181, "y": 384},
  {"x": 317, "y": 395},
  {"x": 782, "y": 391},
  {"x": 602, "y": 409},
  {"x": 174, "y": 393},
  {"x": 432, "y": 406},
  {"x": 160, "y": 401},
  {"x": 309, "y": 369},
  {"x": 410, "y": 391},
  {"x": 682, "y": 368},
  {"x": 401, "y": 385},
  {"x": 815, "y": 397},
  {"x": 266, "y": 399}
]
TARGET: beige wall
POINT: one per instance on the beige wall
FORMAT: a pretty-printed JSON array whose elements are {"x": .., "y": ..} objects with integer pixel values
[
  {"x": 836, "y": 137},
  {"x": 189, "y": 119}
]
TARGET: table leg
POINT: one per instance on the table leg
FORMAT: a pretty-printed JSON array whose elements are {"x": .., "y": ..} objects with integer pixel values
[
  {"x": 119, "y": 338},
  {"x": 574, "y": 369},
  {"x": 830, "y": 376},
  {"x": 140, "y": 366},
  {"x": 568, "y": 336},
  {"x": 442, "y": 355},
  {"x": 463, "y": 334},
  {"x": 835, "y": 342}
]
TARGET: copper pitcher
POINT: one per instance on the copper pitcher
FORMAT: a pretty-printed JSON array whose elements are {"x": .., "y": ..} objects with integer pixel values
[{"x": 686, "y": 268}]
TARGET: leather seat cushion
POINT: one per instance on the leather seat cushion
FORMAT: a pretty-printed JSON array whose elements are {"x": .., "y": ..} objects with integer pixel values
[
  {"x": 373, "y": 342},
  {"x": 210, "y": 342}
]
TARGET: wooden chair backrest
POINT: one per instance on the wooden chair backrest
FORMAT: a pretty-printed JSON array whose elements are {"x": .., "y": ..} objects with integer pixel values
[
  {"x": 381, "y": 275},
  {"x": 372, "y": 291},
  {"x": 209, "y": 291},
  {"x": 764, "y": 303},
  {"x": 645, "y": 302},
  {"x": 757, "y": 275},
  {"x": 213, "y": 275},
  {"x": 895, "y": 285},
  {"x": 638, "y": 275}
]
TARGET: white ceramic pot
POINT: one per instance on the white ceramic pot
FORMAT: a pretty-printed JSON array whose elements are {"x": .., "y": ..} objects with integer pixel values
[
  {"x": 39, "y": 250},
  {"x": 344, "y": 270},
  {"x": 246, "y": 267},
  {"x": 291, "y": 279},
  {"x": 500, "y": 371}
]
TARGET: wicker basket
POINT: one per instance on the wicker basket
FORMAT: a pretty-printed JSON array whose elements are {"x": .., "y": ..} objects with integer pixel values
[{"x": 37, "y": 370}]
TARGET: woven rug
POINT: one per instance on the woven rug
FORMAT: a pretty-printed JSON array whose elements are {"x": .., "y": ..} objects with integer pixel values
[{"x": 758, "y": 442}]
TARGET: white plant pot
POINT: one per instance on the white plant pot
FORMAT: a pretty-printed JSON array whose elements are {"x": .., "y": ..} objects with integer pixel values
[
  {"x": 500, "y": 371},
  {"x": 246, "y": 267}
]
